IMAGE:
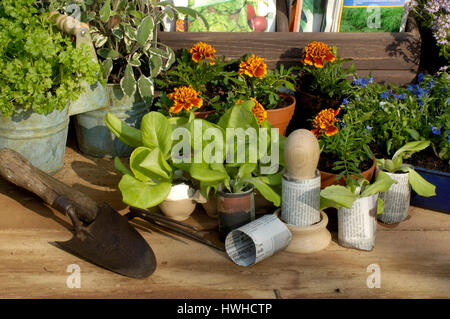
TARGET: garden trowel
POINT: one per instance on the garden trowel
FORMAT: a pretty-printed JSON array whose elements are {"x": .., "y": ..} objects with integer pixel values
[{"x": 102, "y": 236}]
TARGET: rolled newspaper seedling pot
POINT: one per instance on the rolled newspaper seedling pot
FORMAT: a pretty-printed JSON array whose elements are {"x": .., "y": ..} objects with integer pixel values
[
  {"x": 234, "y": 210},
  {"x": 253, "y": 242},
  {"x": 357, "y": 226},
  {"x": 301, "y": 201},
  {"x": 396, "y": 200}
]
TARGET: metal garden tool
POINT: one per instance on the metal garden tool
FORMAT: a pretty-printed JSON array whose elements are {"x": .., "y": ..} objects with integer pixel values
[{"x": 102, "y": 236}]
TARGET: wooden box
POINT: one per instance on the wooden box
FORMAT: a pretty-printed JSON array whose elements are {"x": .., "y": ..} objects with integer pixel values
[{"x": 390, "y": 57}]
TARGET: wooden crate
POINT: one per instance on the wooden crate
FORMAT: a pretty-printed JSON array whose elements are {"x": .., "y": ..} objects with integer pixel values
[{"x": 390, "y": 57}]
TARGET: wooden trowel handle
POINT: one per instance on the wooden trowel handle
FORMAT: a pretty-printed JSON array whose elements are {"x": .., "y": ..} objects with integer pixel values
[{"x": 19, "y": 171}]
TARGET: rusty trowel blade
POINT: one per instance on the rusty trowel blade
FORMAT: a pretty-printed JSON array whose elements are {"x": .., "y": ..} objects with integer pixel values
[{"x": 111, "y": 242}]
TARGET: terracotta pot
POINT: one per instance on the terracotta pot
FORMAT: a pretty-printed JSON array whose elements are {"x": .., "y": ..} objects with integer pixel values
[
  {"x": 234, "y": 210},
  {"x": 203, "y": 114},
  {"x": 178, "y": 209},
  {"x": 327, "y": 179},
  {"x": 280, "y": 118}
]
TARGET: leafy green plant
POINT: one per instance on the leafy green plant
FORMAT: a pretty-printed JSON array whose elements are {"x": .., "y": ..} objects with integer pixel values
[
  {"x": 394, "y": 165},
  {"x": 338, "y": 196},
  {"x": 40, "y": 68},
  {"x": 124, "y": 33}
]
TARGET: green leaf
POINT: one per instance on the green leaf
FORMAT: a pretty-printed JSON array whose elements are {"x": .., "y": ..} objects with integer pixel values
[
  {"x": 245, "y": 170},
  {"x": 141, "y": 195},
  {"x": 203, "y": 172},
  {"x": 410, "y": 148},
  {"x": 193, "y": 14},
  {"x": 381, "y": 184},
  {"x": 146, "y": 89},
  {"x": 107, "y": 53},
  {"x": 156, "y": 64},
  {"x": 145, "y": 30},
  {"x": 265, "y": 190},
  {"x": 105, "y": 11},
  {"x": 157, "y": 132},
  {"x": 336, "y": 196},
  {"x": 127, "y": 134},
  {"x": 141, "y": 161},
  {"x": 380, "y": 206},
  {"x": 128, "y": 82},
  {"x": 419, "y": 184},
  {"x": 118, "y": 165}
]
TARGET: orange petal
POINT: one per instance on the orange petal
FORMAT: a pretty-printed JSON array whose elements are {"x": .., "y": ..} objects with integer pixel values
[
  {"x": 177, "y": 107},
  {"x": 331, "y": 130},
  {"x": 318, "y": 63},
  {"x": 316, "y": 132}
]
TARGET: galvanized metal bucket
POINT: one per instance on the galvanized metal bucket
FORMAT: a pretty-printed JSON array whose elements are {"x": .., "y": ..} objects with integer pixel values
[
  {"x": 39, "y": 138},
  {"x": 94, "y": 137}
]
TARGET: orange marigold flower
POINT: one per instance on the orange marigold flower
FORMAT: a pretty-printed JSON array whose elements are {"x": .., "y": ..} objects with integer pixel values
[
  {"x": 184, "y": 97},
  {"x": 258, "y": 110},
  {"x": 202, "y": 50},
  {"x": 253, "y": 67},
  {"x": 316, "y": 53},
  {"x": 324, "y": 122}
]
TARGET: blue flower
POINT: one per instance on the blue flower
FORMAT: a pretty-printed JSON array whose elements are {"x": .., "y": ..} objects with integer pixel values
[
  {"x": 370, "y": 79},
  {"x": 384, "y": 95},
  {"x": 448, "y": 136},
  {"x": 362, "y": 82},
  {"x": 345, "y": 101},
  {"x": 420, "y": 77},
  {"x": 369, "y": 127},
  {"x": 342, "y": 123},
  {"x": 435, "y": 130},
  {"x": 401, "y": 96}
]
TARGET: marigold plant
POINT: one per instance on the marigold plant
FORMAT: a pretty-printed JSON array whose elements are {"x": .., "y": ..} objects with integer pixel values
[{"x": 186, "y": 98}]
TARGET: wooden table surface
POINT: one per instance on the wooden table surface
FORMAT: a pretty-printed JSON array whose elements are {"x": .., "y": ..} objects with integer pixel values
[{"x": 413, "y": 256}]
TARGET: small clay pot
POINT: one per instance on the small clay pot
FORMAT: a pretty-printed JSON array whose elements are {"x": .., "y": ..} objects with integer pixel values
[
  {"x": 178, "y": 209},
  {"x": 234, "y": 210},
  {"x": 327, "y": 179},
  {"x": 310, "y": 239},
  {"x": 280, "y": 118}
]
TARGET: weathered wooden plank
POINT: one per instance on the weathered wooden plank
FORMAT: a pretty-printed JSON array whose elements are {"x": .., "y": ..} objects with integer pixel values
[{"x": 369, "y": 51}]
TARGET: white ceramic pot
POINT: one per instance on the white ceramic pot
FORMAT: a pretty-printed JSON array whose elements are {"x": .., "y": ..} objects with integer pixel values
[
  {"x": 179, "y": 204},
  {"x": 396, "y": 199},
  {"x": 357, "y": 226}
]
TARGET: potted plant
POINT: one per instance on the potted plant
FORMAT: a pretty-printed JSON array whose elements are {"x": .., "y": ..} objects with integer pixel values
[
  {"x": 124, "y": 34},
  {"x": 322, "y": 81},
  {"x": 397, "y": 198},
  {"x": 155, "y": 177},
  {"x": 423, "y": 108},
  {"x": 358, "y": 204},
  {"x": 41, "y": 72}
]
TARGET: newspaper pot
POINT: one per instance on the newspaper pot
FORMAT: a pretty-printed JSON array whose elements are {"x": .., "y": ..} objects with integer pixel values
[
  {"x": 234, "y": 210},
  {"x": 39, "y": 138},
  {"x": 93, "y": 136},
  {"x": 327, "y": 179},
  {"x": 439, "y": 202},
  {"x": 396, "y": 199},
  {"x": 280, "y": 118},
  {"x": 357, "y": 226},
  {"x": 309, "y": 239}
]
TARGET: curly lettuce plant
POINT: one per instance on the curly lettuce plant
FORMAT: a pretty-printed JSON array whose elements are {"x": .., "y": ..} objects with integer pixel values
[
  {"x": 40, "y": 68},
  {"x": 395, "y": 165}
]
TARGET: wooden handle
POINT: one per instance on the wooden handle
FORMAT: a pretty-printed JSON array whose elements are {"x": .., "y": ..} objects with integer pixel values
[
  {"x": 301, "y": 153},
  {"x": 19, "y": 171},
  {"x": 67, "y": 24}
]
